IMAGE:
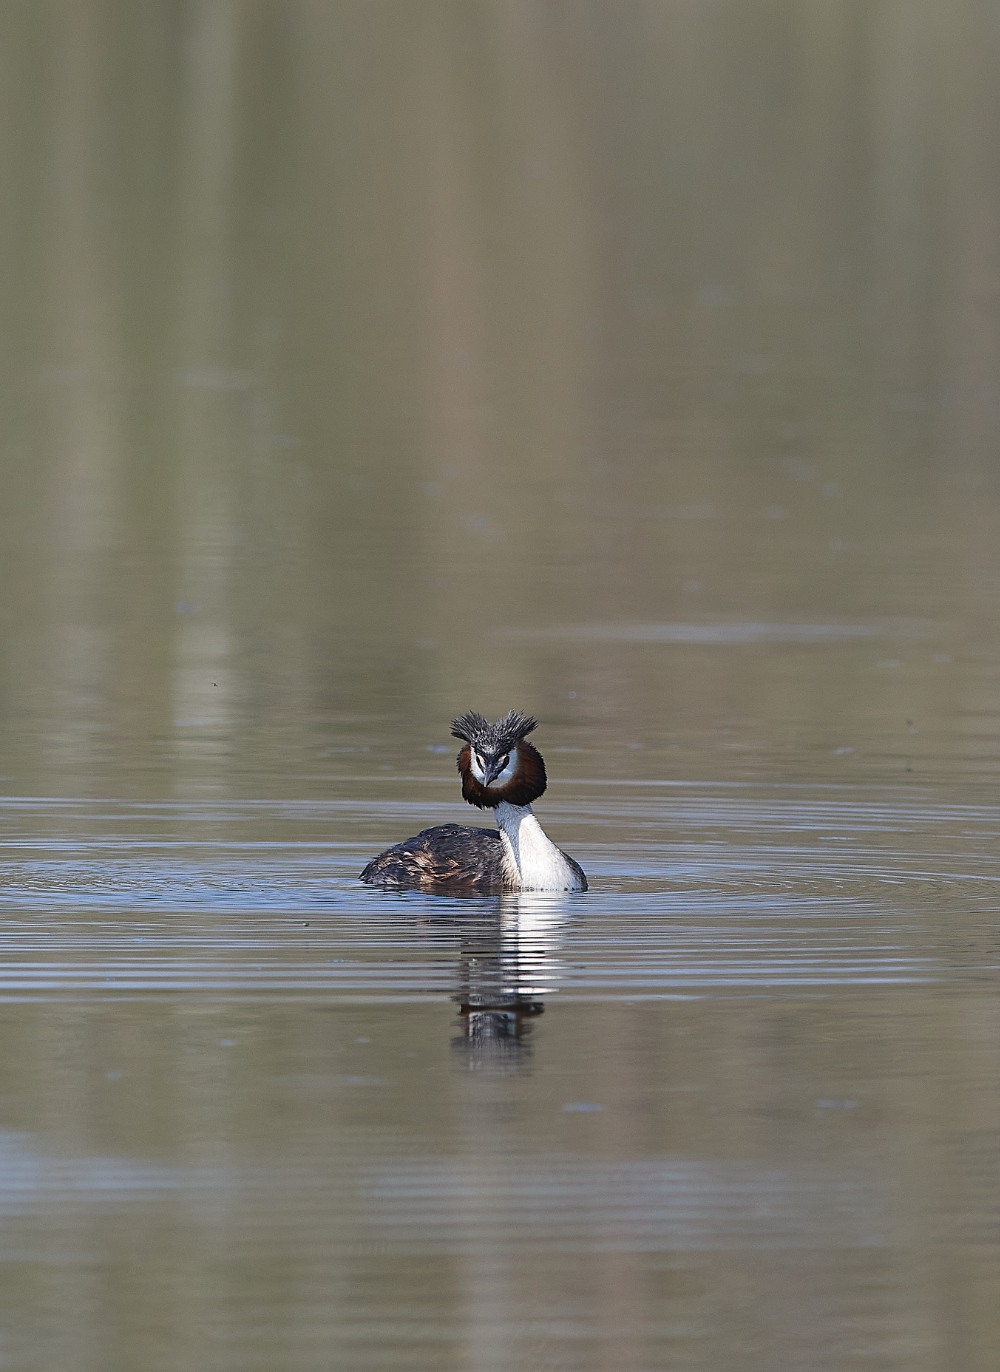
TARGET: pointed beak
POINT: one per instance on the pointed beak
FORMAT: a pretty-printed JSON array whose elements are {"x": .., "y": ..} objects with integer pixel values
[{"x": 493, "y": 770}]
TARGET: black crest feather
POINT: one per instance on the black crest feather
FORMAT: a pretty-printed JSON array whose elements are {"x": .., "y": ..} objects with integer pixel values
[{"x": 495, "y": 738}]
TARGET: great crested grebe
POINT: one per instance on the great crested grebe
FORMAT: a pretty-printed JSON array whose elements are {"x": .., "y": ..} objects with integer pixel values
[{"x": 502, "y": 772}]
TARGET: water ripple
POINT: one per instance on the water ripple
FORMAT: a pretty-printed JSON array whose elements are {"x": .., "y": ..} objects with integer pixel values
[{"x": 692, "y": 894}]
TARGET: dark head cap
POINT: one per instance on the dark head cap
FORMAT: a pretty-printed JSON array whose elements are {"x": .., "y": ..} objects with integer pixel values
[{"x": 493, "y": 738}]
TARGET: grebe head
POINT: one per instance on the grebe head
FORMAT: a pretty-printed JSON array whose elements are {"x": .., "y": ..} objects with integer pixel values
[{"x": 497, "y": 763}]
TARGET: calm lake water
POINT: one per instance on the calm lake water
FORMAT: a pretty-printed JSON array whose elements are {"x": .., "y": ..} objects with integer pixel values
[{"x": 633, "y": 364}]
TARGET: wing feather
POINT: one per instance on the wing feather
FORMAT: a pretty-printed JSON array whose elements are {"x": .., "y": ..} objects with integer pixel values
[{"x": 446, "y": 857}]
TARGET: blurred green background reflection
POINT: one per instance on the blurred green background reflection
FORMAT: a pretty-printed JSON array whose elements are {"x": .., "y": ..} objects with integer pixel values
[{"x": 358, "y": 359}]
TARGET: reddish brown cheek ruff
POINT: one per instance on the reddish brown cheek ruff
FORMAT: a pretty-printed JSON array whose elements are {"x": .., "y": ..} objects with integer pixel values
[{"x": 526, "y": 785}]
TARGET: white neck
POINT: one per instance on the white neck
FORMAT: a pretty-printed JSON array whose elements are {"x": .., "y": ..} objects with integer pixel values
[{"x": 533, "y": 861}]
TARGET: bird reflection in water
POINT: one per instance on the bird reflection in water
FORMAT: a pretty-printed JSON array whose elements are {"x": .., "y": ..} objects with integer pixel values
[{"x": 507, "y": 965}]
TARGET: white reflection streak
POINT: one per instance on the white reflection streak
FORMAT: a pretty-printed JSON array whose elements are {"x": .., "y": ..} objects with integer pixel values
[
  {"x": 207, "y": 395},
  {"x": 533, "y": 925},
  {"x": 730, "y": 634}
]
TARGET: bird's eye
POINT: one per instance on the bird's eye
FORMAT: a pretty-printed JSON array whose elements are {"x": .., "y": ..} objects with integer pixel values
[
  {"x": 504, "y": 760},
  {"x": 479, "y": 763}
]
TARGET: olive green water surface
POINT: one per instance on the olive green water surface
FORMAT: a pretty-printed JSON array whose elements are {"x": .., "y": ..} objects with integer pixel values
[{"x": 633, "y": 364}]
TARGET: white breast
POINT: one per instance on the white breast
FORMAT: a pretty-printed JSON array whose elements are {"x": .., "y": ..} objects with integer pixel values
[{"x": 533, "y": 861}]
